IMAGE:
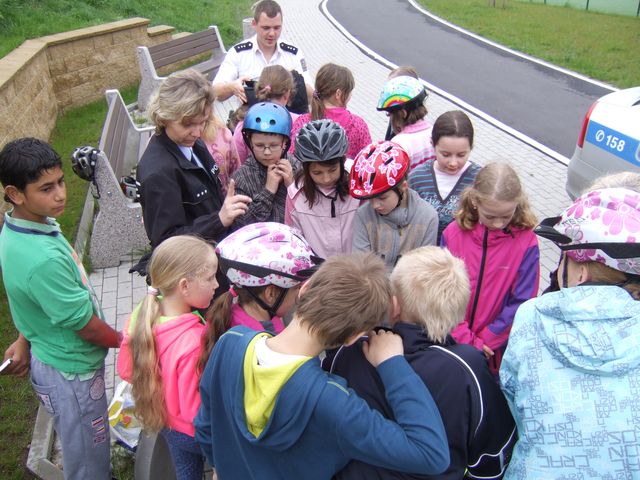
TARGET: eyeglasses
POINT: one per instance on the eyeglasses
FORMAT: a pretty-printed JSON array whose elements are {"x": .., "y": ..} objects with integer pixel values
[{"x": 276, "y": 147}]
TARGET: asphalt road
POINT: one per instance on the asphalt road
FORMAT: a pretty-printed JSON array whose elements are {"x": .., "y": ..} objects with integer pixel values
[{"x": 543, "y": 103}]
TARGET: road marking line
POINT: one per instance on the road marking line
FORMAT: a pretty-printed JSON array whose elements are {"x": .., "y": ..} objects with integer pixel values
[{"x": 456, "y": 100}]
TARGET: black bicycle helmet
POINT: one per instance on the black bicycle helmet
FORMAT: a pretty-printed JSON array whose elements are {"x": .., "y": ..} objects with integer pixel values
[
  {"x": 321, "y": 140},
  {"x": 83, "y": 162}
]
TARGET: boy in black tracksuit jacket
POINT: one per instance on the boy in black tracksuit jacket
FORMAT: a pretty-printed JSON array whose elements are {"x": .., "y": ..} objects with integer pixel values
[{"x": 431, "y": 288}]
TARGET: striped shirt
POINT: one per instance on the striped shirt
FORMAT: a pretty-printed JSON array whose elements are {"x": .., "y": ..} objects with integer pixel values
[
  {"x": 251, "y": 179},
  {"x": 423, "y": 180}
]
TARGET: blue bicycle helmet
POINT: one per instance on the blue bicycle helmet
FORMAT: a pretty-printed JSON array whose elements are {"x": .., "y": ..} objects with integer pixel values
[{"x": 267, "y": 117}]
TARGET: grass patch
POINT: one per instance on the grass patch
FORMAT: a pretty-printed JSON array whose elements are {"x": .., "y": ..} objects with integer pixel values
[
  {"x": 600, "y": 46},
  {"x": 24, "y": 19},
  {"x": 20, "y": 20}
]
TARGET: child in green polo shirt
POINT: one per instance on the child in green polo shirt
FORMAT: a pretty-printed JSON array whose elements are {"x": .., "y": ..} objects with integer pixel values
[{"x": 54, "y": 308}]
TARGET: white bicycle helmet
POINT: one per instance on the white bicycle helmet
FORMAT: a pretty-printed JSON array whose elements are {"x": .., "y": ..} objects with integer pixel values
[
  {"x": 600, "y": 226},
  {"x": 266, "y": 253}
]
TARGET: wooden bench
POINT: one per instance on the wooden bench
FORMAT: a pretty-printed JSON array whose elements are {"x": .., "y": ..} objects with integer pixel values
[
  {"x": 117, "y": 227},
  {"x": 151, "y": 59}
]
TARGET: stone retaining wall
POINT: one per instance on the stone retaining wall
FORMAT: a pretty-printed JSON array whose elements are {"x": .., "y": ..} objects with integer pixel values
[{"x": 48, "y": 75}]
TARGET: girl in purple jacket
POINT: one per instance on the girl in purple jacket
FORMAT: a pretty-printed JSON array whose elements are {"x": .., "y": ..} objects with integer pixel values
[{"x": 493, "y": 234}]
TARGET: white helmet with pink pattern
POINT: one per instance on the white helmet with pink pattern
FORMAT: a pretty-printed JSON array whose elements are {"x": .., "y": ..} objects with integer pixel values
[
  {"x": 266, "y": 253},
  {"x": 600, "y": 226}
]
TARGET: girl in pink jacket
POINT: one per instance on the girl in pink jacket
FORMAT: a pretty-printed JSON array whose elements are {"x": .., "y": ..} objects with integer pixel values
[
  {"x": 162, "y": 346},
  {"x": 318, "y": 202},
  {"x": 493, "y": 234}
]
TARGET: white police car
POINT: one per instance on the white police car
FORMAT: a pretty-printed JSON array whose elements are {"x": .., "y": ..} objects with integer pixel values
[{"x": 609, "y": 141}]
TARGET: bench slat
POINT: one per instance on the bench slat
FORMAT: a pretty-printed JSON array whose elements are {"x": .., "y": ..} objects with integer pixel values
[
  {"x": 176, "y": 51},
  {"x": 207, "y": 37},
  {"x": 180, "y": 52}
]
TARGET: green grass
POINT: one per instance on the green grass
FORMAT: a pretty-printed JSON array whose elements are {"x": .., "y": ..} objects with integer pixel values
[
  {"x": 603, "y": 47},
  {"x": 20, "y": 20},
  {"x": 23, "y": 19}
]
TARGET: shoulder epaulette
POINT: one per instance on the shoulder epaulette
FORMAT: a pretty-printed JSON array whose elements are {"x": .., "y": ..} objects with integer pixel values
[
  {"x": 288, "y": 48},
  {"x": 241, "y": 47}
]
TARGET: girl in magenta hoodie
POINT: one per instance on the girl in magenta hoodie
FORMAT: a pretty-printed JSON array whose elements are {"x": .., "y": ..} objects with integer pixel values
[
  {"x": 493, "y": 234},
  {"x": 162, "y": 346}
]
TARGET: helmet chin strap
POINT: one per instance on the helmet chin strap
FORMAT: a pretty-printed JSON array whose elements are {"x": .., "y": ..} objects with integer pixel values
[
  {"x": 271, "y": 309},
  {"x": 565, "y": 272}
]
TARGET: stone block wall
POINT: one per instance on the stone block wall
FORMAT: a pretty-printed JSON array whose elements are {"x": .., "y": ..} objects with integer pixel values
[
  {"x": 48, "y": 75},
  {"x": 28, "y": 105}
]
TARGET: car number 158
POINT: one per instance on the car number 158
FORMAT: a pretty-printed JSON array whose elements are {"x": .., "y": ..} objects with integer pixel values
[{"x": 617, "y": 143}]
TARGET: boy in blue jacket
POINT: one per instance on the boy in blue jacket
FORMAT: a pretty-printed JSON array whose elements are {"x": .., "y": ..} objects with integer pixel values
[
  {"x": 269, "y": 411},
  {"x": 54, "y": 308}
]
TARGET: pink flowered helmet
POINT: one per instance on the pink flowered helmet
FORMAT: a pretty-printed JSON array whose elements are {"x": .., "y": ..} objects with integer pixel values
[
  {"x": 266, "y": 254},
  {"x": 377, "y": 168},
  {"x": 601, "y": 226}
]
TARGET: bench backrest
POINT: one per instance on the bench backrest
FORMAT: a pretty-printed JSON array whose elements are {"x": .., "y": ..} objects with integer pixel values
[
  {"x": 121, "y": 140},
  {"x": 207, "y": 41}
]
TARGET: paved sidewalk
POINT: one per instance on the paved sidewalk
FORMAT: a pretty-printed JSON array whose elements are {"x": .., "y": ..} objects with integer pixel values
[
  {"x": 306, "y": 27},
  {"x": 119, "y": 292}
]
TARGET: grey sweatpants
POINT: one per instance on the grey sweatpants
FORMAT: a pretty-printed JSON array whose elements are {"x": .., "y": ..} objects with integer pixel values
[{"x": 79, "y": 411}]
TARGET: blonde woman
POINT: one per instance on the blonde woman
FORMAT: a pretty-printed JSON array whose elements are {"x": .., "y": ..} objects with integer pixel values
[
  {"x": 181, "y": 192},
  {"x": 163, "y": 342}
]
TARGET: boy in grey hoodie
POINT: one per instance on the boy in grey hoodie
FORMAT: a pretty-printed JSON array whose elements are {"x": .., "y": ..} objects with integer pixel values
[{"x": 395, "y": 220}]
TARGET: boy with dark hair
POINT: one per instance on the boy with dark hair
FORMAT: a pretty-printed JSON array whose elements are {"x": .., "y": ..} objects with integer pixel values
[
  {"x": 269, "y": 411},
  {"x": 431, "y": 292},
  {"x": 54, "y": 308}
]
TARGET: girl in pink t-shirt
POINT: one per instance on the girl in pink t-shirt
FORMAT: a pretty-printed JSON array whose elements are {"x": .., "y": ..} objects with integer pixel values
[
  {"x": 334, "y": 85},
  {"x": 219, "y": 141}
]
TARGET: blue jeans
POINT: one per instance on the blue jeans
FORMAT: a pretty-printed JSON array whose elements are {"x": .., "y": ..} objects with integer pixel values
[
  {"x": 79, "y": 411},
  {"x": 185, "y": 453}
]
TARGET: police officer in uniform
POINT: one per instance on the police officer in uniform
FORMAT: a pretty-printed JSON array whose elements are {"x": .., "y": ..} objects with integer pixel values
[{"x": 246, "y": 60}]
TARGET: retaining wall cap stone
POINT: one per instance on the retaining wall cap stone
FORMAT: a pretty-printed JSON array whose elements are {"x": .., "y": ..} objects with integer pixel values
[{"x": 105, "y": 28}]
